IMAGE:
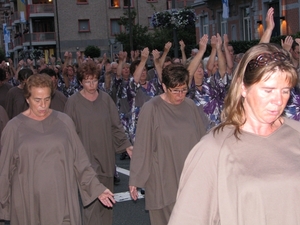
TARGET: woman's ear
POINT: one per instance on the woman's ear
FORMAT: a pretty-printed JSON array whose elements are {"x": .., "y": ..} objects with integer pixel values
[{"x": 244, "y": 90}]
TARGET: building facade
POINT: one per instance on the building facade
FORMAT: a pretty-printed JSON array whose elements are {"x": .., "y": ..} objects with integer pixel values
[
  {"x": 246, "y": 19},
  {"x": 56, "y": 26},
  {"x": 53, "y": 27}
]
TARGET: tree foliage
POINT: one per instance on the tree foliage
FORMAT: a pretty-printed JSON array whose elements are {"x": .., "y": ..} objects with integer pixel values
[
  {"x": 153, "y": 39},
  {"x": 92, "y": 51}
]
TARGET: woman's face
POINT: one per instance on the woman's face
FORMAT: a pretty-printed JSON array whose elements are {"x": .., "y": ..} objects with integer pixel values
[
  {"x": 39, "y": 102},
  {"x": 176, "y": 95},
  {"x": 90, "y": 84},
  {"x": 144, "y": 74},
  {"x": 126, "y": 72},
  {"x": 199, "y": 74},
  {"x": 265, "y": 101}
]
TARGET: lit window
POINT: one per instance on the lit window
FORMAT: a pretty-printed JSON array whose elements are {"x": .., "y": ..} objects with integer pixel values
[
  {"x": 83, "y": 25},
  {"x": 115, "y": 27},
  {"x": 114, "y": 3}
]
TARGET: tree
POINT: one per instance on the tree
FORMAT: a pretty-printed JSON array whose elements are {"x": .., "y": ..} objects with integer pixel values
[
  {"x": 92, "y": 51},
  {"x": 141, "y": 37}
]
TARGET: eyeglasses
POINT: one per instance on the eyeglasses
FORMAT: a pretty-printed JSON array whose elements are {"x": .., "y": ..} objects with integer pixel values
[
  {"x": 178, "y": 91},
  {"x": 89, "y": 82},
  {"x": 266, "y": 58}
]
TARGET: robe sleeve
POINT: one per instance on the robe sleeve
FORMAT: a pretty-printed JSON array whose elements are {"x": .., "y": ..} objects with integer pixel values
[
  {"x": 7, "y": 168},
  {"x": 140, "y": 165},
  {"x": 197, "y": 196},
  {"x": 120, "y": 139},
  {"x": 89, "y": 185}
]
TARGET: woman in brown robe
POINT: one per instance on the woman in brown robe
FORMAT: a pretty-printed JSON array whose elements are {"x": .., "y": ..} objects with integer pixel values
[
  {"x": 247, "y": 170},
  {"x": 43, "y": 164},
  {"x": 98, "y": 125},
  {"x": 169, "y": 126}
]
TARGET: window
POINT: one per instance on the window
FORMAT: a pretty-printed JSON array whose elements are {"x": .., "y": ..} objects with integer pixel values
[
  {"x": 82, "y": 1},
  {"x": 222, "y": 24},
  {"x": 114, "y": 3},
  {"x": 246, "y": 24},
  {"x": 84, "y": 25},
  {"x": 115, "y": 27},
  {"x": 127, "y": 2},
  {"x": 204, "y": 25}
]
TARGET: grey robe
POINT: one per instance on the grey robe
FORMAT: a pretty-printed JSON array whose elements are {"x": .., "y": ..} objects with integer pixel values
[
  {"x": 42, "y": 165},
  {"x": 100, "y": 130},
  {"x": 165, "y": 135},
  {"x": 4, "y": 88},
  {"x": 15, "y": 102},
  {"x": 58, "y": 101},
  {"x": 251, "y": 181}
]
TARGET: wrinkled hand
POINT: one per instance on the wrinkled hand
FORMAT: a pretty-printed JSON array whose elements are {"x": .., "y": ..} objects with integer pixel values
[
  {"x": 66, "y": 54},
  {"x": 270, "y": 19},
  {"x": 129, "y": 151},
  {"x": 107, "y": 198},
  {"x": 203, "y": 43},
  {"x": 133, "y": 192},
  {"x": 298, "y": 40},
  {"x": 168, "y": 45},
  {"x": 287, "y": 43},
  {"x": 182, "y": 45},
  {"x": 144, "y": 54},
  {"x": 219, "y": 41}
]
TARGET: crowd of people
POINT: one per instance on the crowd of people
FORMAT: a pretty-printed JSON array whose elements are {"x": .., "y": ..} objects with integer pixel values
[{"x": 211, "y": 141}]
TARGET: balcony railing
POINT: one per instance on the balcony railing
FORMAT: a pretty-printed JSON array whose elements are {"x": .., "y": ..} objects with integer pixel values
[
  {"x": 18, "y": 42},
  {"x": 41, "y": 8},
  {"x": 40, "y": 37},
  {"x": 15, "y": 16}
]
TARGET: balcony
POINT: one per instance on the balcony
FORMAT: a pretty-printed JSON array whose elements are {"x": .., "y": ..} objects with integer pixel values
[
  {"x": 38, "y": 10},
  {"x": 15, "y": 18},
  {"x": 48, "y": 38},
  {"x": 17, "y": 43}
]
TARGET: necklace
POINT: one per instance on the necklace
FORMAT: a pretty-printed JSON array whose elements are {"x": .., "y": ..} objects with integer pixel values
[
  {"x": 199, "y": 85},
  {"x": 143, "y": 83}
]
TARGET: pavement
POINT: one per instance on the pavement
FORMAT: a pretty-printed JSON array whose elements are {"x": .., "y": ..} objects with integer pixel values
[{"x": 126, "y": 211}]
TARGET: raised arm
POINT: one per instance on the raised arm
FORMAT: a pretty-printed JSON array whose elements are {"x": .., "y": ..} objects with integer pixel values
[
  {"x": 228, "y": 57},
  {"x": 198, "y": 57},
  {"x": 158, "y": 66},
  {"x": 270, "y": 26},
  {"x": 139, "y": 69},
  {"x": 122, "y": 61},
  {"x": 167, "y": 47},
  {"x": 221, "y": 57},
  {"x": 182, "y": 49},
  {"x": 213, "y": 53}
]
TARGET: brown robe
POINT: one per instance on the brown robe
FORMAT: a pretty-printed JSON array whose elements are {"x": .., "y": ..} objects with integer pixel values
[
  {"x": 15, "y": 102},
  {"x": 58, "y": 101},
  {"x": 4, "y": 88},
  {"x": 165, "y": 135},
  {"x": 254, "y": 180},
  {"x": 42, "y": 166},
  {"x": 101, "y": 132}
]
